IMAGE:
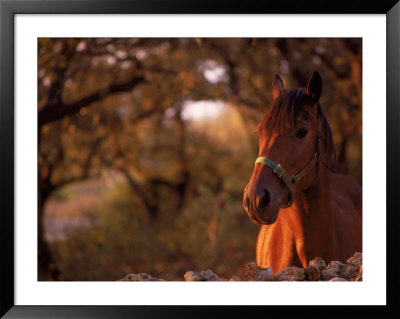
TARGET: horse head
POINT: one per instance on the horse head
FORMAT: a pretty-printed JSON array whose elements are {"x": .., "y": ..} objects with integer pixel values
[{"x": 293, "y": 137}]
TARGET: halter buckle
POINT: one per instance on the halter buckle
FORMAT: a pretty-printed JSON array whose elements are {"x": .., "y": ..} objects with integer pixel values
[{"x": 279, "y": 170}]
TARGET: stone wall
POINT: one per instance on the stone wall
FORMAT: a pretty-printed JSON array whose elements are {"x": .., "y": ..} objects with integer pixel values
[{"x": 317, "y": 270}]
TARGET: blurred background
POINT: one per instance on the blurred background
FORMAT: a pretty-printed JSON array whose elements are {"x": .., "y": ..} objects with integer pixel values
[{"x": 145, "y": 146}]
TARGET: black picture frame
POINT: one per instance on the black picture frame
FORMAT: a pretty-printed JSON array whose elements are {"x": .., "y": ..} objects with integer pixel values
[{"x": 8, "y": 10}]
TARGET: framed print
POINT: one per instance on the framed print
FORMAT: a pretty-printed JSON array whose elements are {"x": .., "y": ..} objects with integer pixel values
[{"x": 147, "y": 146}]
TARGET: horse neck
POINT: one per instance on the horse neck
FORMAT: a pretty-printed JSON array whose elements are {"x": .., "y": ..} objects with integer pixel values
[
  {"x": 315, "y": 219},
  {"x": 315, "y": 202}
]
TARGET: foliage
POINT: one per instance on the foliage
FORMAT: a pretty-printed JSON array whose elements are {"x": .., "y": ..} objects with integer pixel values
[{"x": 212, "y": 232}]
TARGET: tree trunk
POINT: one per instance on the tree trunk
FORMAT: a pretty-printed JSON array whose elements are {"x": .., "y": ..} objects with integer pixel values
[{"x": 47, "y": 267}]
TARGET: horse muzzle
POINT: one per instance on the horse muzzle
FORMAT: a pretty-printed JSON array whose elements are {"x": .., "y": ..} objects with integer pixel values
[{"x": 260, "y": 206}]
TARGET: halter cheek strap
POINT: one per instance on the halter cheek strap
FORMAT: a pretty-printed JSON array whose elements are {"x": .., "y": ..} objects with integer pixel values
[{"x": 289, "y": 180}]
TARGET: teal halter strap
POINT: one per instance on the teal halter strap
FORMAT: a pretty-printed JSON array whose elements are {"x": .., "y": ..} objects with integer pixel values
[{"x": 289, "y": 180}]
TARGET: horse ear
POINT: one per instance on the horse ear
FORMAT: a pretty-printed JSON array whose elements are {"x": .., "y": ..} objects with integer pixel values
[
  {"x": 314, "y": 87},
  {"x": 277, "y": 86}
]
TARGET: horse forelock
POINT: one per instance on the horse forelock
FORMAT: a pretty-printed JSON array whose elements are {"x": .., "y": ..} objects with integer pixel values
[{"x": 287, "y": 109}]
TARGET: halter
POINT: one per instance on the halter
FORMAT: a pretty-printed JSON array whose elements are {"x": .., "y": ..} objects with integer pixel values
[{"x": 289, "y": 180}]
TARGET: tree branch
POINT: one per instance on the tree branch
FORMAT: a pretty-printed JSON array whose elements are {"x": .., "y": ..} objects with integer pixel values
[
  {"x": 55, "y": 91},
  {"x": 85, "y": 166},
  {"x": 52, "y": 113},
  {"x": 233, "y": 78}
]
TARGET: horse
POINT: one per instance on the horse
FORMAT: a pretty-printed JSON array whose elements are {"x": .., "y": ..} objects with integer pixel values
[{"x": 306, "y": 209}]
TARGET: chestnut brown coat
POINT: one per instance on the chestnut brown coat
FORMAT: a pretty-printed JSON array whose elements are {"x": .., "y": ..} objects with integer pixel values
[{"x": 325, "y": 219}]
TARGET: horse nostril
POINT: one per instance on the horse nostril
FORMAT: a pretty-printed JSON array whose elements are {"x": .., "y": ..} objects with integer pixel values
[{"x": 264, "y": 202}]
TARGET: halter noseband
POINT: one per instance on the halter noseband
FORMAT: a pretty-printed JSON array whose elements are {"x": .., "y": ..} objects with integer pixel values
[{"x": 289, "y": 180}]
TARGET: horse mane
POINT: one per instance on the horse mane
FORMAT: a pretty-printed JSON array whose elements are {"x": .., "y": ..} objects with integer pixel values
[{"x": 284, "y": 113}]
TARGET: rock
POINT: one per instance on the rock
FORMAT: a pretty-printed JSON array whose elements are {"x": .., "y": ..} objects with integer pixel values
[
  {"x": 204, "y": 275},
  {"x": 356, "y": 260},
  {"x": 263, "y": 275},
  {"x": 235, "y": 278},
  {"x": 312, "y": 273},
  {"x": 336, "y": 264},
  {"x": 349, "y": 271},
  {"x": 250, "y": 270},
  {"x": 290, "y": 274},
  {"x": 328, "y": 274},
  {"x": 254, "y": 273},
  {"x": 192, "y": 276},
  {"x": 140, "y": 277},
  {"x": 360, "y": 274},
  {"x": 318, "y": 262},
  {"x": 338, "y": 279},
  {"x": 208, "y": 275}
]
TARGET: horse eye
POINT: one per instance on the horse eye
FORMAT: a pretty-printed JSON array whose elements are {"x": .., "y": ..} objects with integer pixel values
[{"x": 301, "y": 133}]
